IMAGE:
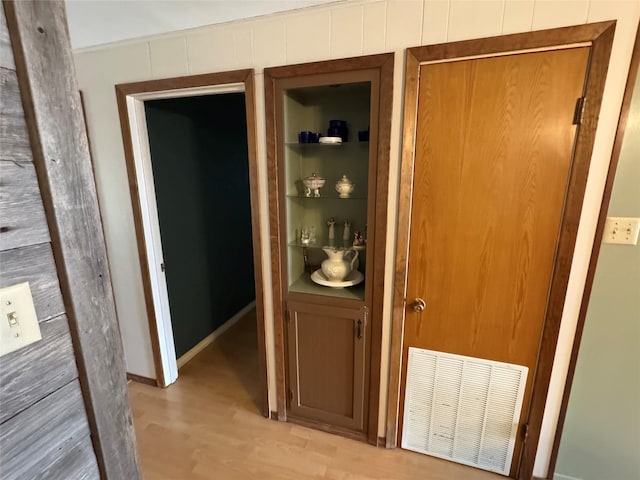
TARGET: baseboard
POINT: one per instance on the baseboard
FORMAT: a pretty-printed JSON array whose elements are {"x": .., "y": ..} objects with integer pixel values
[
  {"x": 208, "y": 340},
  {"x": 140, "y": 379},
  {"x": 274, "y": 415},
  {"x": 559, "y": 476},
  {"x": 382, "y": 442}
]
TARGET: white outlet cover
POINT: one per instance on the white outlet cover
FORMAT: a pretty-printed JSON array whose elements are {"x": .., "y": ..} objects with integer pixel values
[
  {"x": 18, "y": 320},
  {"x": 621, "y": 230}
]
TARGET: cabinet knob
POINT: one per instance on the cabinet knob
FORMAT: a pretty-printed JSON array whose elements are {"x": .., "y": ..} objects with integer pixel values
[{"x": 418, "y": 305}]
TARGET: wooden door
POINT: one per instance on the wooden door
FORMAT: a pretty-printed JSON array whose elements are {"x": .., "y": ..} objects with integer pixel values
[
  {"x": 327, "y": 364},
  {"x": 493, "y": 152}
]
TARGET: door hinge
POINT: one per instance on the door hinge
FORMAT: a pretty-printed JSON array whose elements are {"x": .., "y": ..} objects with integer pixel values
[
  {"x": 162, "y": 267},
  {"x": 290, "y": 395},
  {"x": 525, "y": 432},
  {"x": 362, "y": 322},
  {"x": 579, "y": 110},
  {"x": 359, "y": 329}
]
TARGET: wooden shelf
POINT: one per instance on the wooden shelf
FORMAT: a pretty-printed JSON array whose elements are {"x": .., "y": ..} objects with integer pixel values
[
  {"x": 304, "y": 284},
  {"x": 324, "y": 145},
  {"x": 322, "y": 242},
  {"x": 326, "y": 197}
]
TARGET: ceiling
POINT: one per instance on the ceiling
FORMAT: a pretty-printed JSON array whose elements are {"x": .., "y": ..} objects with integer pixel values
[{"x": 96, "y": 22}]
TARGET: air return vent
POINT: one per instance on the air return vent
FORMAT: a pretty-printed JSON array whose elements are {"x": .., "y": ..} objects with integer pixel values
[{"x": 462, "y": 408}]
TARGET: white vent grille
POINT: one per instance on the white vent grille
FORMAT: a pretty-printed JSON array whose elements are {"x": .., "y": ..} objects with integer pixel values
[{"x": 462, "y": 408}]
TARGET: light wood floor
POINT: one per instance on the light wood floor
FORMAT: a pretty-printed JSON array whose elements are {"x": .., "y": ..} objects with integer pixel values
[{"x": 208, "y": 426}]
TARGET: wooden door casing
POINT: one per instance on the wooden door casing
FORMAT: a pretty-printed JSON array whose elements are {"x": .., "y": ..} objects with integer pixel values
[
  {"x": 494, "y": 145},
  {"x": 327, "y": 352}
]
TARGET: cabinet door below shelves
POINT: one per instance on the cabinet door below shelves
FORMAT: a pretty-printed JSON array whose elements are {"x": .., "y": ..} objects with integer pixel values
[{"x": 327, "y": 364}]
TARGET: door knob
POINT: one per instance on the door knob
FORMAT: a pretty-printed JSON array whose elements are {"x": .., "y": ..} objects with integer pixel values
[{"x": 418, "y": 305}]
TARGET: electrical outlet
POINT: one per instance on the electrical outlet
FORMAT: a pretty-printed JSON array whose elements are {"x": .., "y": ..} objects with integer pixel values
[
  {"x": 18, "y": 320},
  {"x": 623, "y": 230}
]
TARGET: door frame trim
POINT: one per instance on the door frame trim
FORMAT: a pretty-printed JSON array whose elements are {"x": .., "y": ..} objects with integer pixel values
[
  {"x": 130, "y": 94},
  {"x": 143, "y": 171},
  {"x": 593, "y": 262},
  {"x": 600, "y": 35}
]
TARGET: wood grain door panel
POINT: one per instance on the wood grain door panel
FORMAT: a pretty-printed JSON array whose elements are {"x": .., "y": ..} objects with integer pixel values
[
  {"x": 327, "y": 364},
  {"x": 493, "y": 153}
]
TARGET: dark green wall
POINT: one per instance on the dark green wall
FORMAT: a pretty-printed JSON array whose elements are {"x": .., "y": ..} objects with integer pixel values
[{"x": 201, "y": 176}]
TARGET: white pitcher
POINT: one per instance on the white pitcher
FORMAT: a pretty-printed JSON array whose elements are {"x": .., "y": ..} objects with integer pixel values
[{"x": 339, "y": 264}]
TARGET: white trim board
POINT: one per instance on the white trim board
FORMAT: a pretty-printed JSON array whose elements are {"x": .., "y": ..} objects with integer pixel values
[{"x": 208, "y": 340}]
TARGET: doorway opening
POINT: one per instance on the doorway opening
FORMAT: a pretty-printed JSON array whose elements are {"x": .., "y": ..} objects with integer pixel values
[
  {"x": 198, "y": 149},
  {"x": 191, "y": 160}
]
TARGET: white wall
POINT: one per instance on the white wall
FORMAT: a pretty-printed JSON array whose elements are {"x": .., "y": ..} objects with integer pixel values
[{"x": 357, "y": 27}]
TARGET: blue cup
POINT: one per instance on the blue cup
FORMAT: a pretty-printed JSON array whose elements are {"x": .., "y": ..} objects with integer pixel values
[
  {"x": 338, "y": 128},
  {"x": 304, "y": 137}
]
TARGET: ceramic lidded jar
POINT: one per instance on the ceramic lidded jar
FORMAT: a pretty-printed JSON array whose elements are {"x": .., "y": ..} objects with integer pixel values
[{"x": 344, "y": 187}]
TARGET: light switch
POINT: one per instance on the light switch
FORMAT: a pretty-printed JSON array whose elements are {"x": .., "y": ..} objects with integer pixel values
[
  {"x": 18, "y": 320},
  {"x": 623, "y": 230}
]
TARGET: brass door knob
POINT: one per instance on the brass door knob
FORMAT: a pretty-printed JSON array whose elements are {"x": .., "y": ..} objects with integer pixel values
[{"x": 418, "y": 305}]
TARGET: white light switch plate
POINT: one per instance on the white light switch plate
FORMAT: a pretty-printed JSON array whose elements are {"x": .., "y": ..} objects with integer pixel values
[
  {"x": 18, "y": 320},
  {"x": 621, "y": 230}
]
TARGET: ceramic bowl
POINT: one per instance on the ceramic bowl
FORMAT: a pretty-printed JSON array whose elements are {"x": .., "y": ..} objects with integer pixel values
[
  {"x": 313, "y": 182},
  {"x": 330, "y": 140}
]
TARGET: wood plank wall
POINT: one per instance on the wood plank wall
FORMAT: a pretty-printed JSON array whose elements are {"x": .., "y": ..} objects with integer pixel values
[{"x": 44, "y": 431}]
